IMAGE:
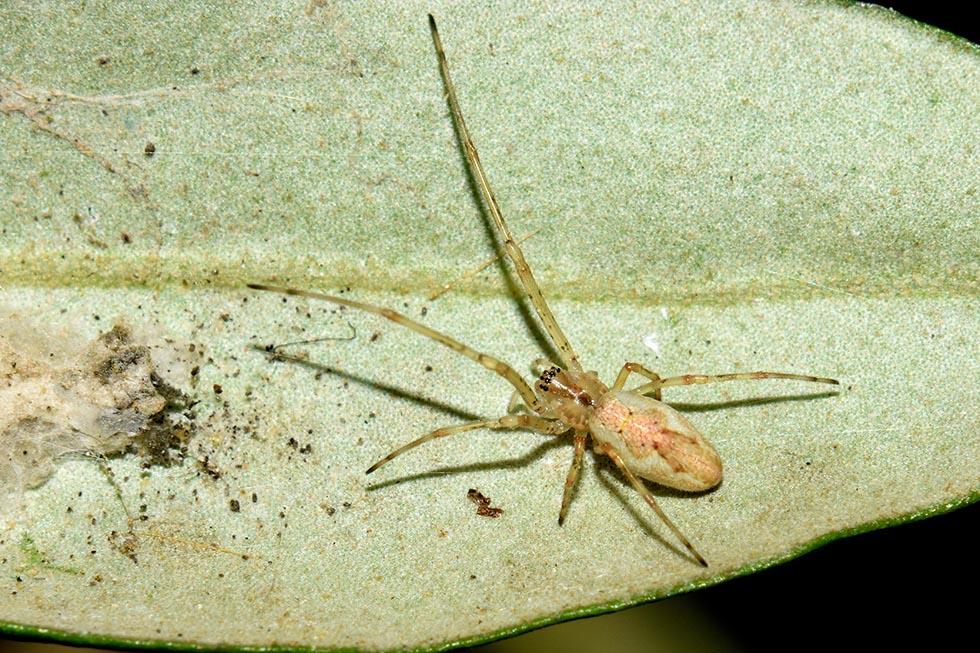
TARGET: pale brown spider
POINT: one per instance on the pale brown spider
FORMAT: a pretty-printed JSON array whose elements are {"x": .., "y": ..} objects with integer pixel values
[{"x": 643, "y": 436}]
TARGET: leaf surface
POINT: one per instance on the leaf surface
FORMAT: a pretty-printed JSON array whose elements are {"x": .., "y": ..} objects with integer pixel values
[{"x": 733, "y": 187}]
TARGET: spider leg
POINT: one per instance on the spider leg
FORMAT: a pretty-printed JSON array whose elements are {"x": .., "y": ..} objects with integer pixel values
[
  {"x": 636, "y": 368},
  {"x": 513, "y": 250},
  {"x": 446, "y": 287},
  {"x": 656, "y": 382},
  {"x": 529, "y": 422},
  {"x": 493, "y": 364},
  {"x": 566, "y": 498},
  {"x": 648, "y": 497}
]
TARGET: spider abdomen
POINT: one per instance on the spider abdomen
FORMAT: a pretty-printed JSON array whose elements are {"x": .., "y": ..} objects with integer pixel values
[{"x": 655, "y": 441}]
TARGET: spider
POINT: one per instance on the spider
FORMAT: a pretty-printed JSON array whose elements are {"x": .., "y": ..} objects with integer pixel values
[{"x": 644, "y": 437}]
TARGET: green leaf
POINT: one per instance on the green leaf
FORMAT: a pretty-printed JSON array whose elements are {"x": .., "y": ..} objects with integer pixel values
[{"x": 717, "y": 188}]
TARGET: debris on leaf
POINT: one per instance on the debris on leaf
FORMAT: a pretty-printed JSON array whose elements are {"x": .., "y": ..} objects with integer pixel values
[{"x": 61, "y": 396}]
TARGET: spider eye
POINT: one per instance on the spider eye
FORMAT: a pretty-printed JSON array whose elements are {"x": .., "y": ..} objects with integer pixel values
[
  {"x": 547, "y": 378},
  {"x": 550, "y": 374}
]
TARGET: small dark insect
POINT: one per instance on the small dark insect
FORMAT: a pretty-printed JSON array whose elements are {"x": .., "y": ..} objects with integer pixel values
[{"x": 483, "y": 504}]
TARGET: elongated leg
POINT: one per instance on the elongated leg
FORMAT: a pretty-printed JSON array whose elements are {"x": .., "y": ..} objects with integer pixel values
[
  {"x": 656, "y": 383},
  {"x": 446, "y": 287},
  {"x": 529, "y": 422},
  {"x": 648, "y": 497},
  {"x": 531, "y": 287},
  {"x": 566, "y": 497},
  {"x": 636, "y": 368},
  {"x": 486, "y": 360}
]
